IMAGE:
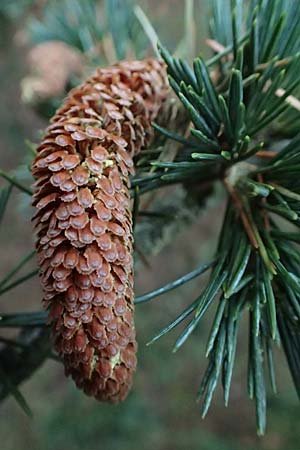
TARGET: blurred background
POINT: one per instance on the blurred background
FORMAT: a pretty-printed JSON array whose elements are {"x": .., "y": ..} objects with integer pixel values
[{"x": 161, "y": 412}]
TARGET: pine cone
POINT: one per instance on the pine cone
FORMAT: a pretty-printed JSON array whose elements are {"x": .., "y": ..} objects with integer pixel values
[
  {"x": 51, "y": 65},
  {"x": 84, "y": 222}
]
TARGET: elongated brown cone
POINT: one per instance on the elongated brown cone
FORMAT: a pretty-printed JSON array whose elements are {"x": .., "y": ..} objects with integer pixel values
[{"x": 84, "y": 222}]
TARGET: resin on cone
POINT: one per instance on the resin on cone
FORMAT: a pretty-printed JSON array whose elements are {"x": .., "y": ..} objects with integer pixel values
[{"x": 84, "y": 222}]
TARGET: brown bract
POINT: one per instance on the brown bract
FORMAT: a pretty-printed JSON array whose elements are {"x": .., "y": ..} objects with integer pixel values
[{"x": 83, "y": 221}]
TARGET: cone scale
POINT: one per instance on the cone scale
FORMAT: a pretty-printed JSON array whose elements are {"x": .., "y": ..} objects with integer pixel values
[{"x": 83, "y": 221}]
